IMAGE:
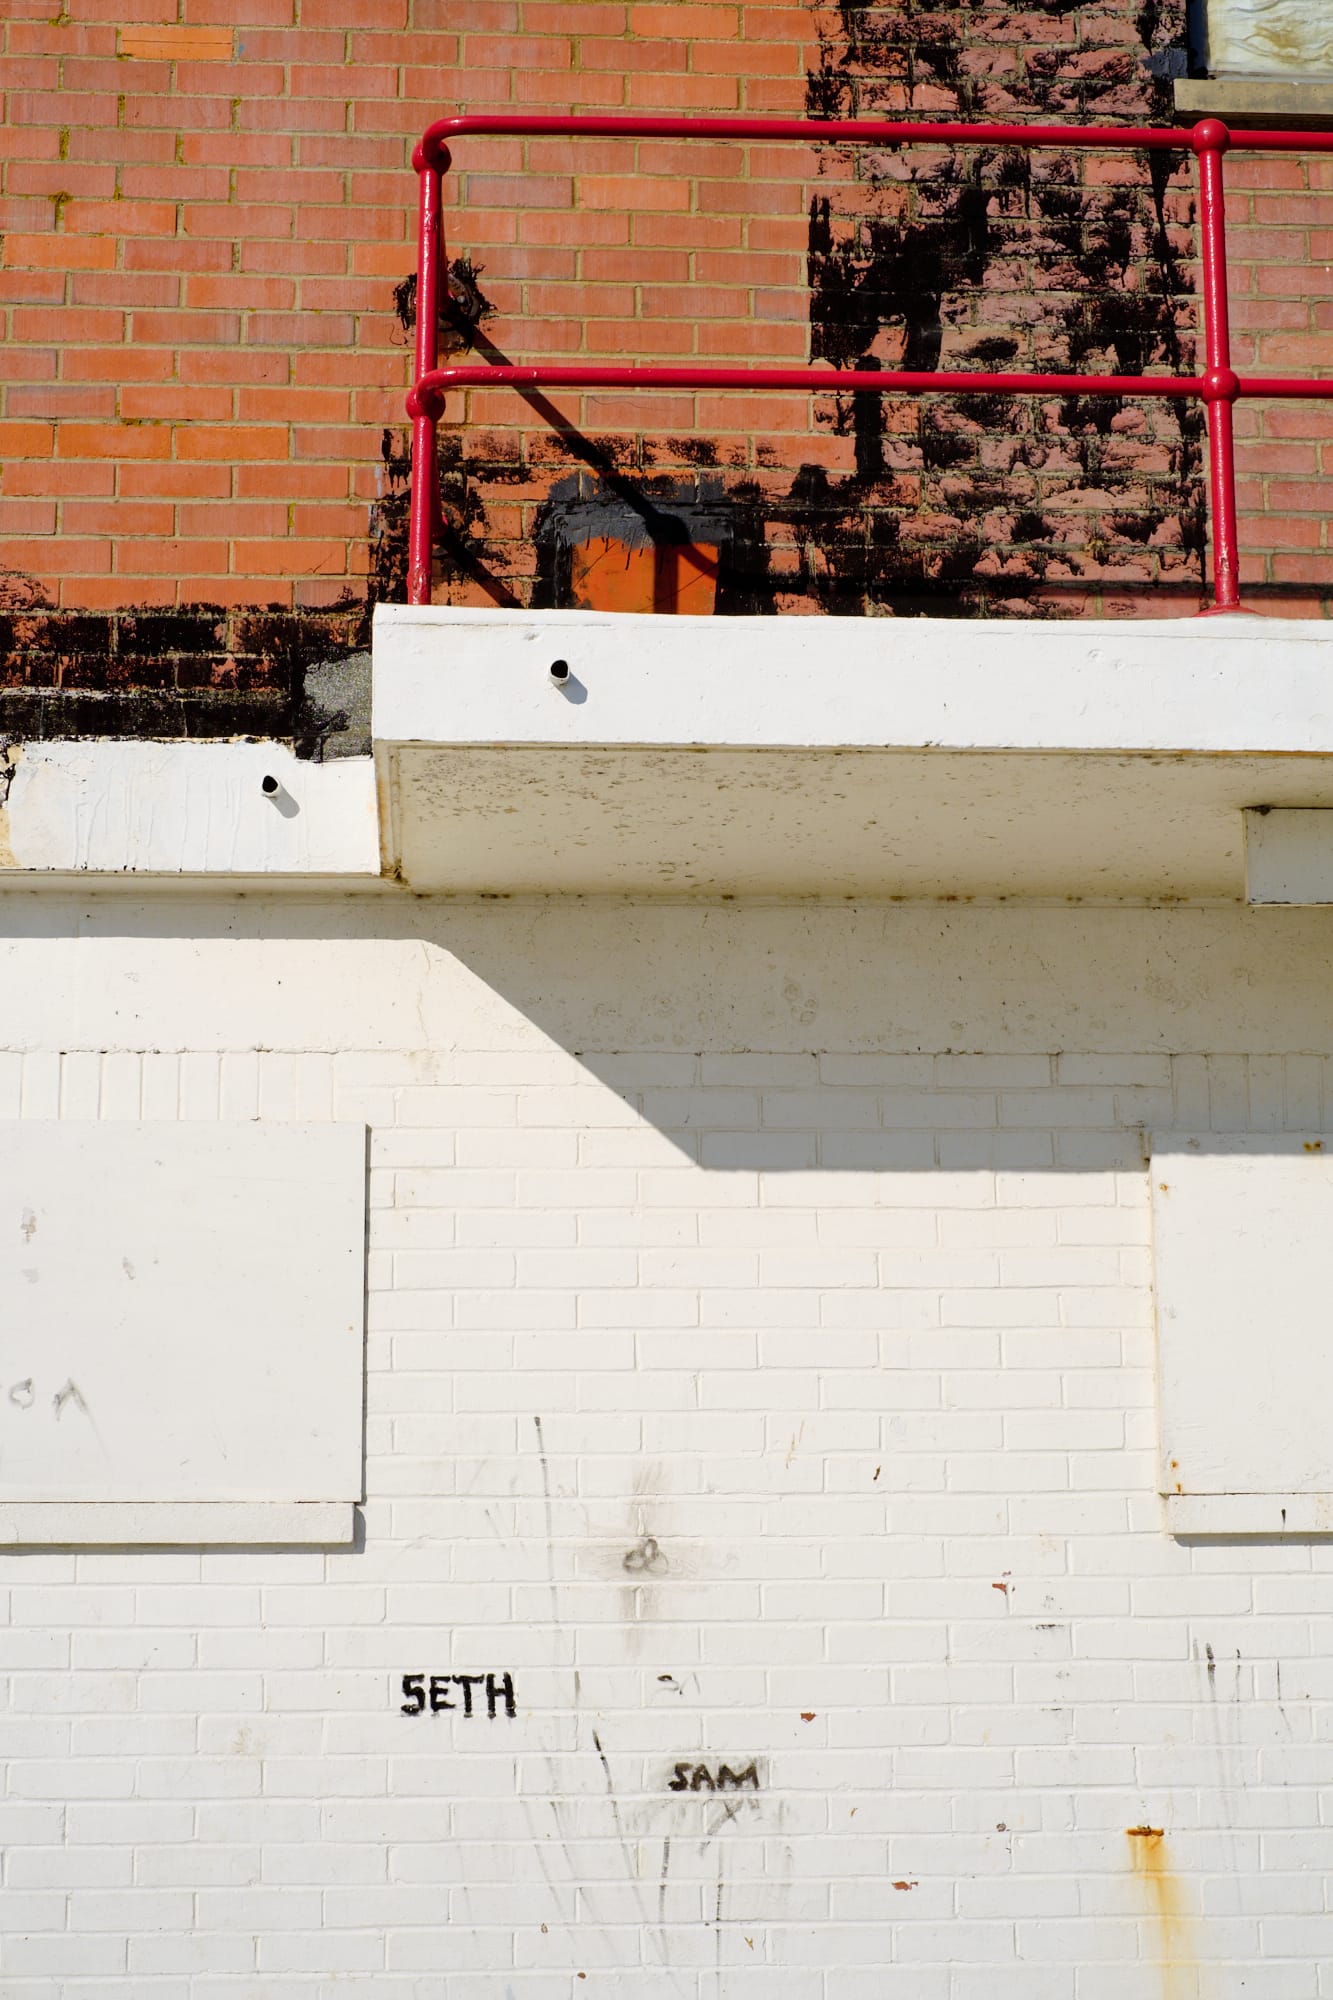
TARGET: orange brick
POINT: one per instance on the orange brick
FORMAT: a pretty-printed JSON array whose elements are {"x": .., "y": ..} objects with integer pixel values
[
  {"x": 169, "y": 402},
  {"x": 242, "y": 291},
  {"x": 336, "y": 370},
  {"x": 297, "y": 406},
  {"x": 60, "y": 252},
  {"x": 118, "y": 289},
  {"x": 747, "y": 59},
  {"x": 578, "y": 92},
  {"x": 62, "y": 555},
  {"x": 683, "y": 94},
  {"x": 169, "y": 557},
  {"x": 314, "y": 523},
  {"x": 37, "y": 323},
  {"x": 688, "y": 23},
  {"x": 127, "y": 440},
  {"x": 43, "y": 477},
  {"x": 519, "y": 191},
  {"x": 229, "y": 442},
  {"x": 170, "y": 481},
  {"x": 275, "y": 482},
  {"x": 574, "y": 17},
  {"x": 635, "y": 195},
  {"x": 636, "y": 58},
  {"x": 35, "y": 39},
  {"x": 25, "y": 441},
  {"x": 243, "y": 13},
  {"x": 30, "y": 364},
  {"x": 289, "y": 558},
  {"x": 200, "y": 518},
  {"x": 286, "y": 44},
  {"x": 162, "y": 44},
  {"x": 342, "y": 14},
  {"x": 108, "y": 593},
  {"x": 223, "y": 365},
  {"x": 119, "y": 518},
  {"x": 52, "y": 177},
  {"x": 144, "y": 253},
  {"x": 234, "y": 220},
  {"x": 29, "y": 517}
]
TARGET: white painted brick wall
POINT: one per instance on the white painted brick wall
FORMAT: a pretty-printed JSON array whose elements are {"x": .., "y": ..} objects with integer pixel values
[{"x": 790, "y": 1408}]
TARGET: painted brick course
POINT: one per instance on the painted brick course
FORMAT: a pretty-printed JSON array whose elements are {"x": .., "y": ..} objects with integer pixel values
[{"x": 835, "y": 1459}]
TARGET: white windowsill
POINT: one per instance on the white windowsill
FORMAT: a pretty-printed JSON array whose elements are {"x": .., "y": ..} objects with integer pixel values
[{"x": 174, "y": 1524}]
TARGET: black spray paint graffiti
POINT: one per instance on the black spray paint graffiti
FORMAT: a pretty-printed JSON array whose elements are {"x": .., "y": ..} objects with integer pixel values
[
  {"x": 698, "y": 1778},
  {"x": 428, "y": 1692}
]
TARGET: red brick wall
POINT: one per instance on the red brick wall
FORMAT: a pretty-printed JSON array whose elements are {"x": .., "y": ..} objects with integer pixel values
[{"x": 207, "y": 217}]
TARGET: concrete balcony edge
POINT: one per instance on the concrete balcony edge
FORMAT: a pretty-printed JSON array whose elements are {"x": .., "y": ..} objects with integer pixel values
[{"x": 817, "y": 757}]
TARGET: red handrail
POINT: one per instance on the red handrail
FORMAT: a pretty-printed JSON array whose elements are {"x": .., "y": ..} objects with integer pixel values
[{"x": 1219, "y": 386}]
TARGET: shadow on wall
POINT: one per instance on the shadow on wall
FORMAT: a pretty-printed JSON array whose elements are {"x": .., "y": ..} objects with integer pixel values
[{"x": 870, "y": 1040}]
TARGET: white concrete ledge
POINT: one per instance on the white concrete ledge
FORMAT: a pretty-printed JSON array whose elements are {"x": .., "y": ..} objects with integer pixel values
[
  {"x": 161, "y": 1524},
  {"x": 1200, "y": 686},
  {"x": 98, "y": 807}
]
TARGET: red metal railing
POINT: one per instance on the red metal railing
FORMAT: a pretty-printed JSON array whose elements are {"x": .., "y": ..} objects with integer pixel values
[{"x": 1219, "y": 386}]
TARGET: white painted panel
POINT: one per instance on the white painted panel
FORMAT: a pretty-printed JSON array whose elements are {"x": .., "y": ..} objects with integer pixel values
[
  {"x": 1243, "y": 1256},
  {"x": 183, "y": 1311},
  {"x": 1291, "y": 38},
  {"x": 1289, "y": 856}
]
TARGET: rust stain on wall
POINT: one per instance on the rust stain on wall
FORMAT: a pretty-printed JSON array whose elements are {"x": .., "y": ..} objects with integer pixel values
[{"x": 1170, "y": 1921}]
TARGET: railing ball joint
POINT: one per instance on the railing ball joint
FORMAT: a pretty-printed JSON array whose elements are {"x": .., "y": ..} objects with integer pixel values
[
  {"x": 429, "y": 152},
  {"x": 425, "y": 402},
  {"x": 1210, "y": 135},
  {"x": 1219, "y": 385}
]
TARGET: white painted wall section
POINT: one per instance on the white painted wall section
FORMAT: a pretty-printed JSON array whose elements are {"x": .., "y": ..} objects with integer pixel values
[{"x": 760, "y": 1377}]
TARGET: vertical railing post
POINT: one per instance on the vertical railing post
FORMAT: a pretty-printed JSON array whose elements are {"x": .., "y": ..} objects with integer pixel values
[
  {"x": 1221, "y": 385},
  {"x": 431, "y": 277}
]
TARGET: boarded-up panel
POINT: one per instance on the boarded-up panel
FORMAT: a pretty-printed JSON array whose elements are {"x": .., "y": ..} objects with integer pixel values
[
  {"x": 1289, "y": 38},
  {"x": 1243, "y": 1257},
  {"x": 183, "y": 1312}
]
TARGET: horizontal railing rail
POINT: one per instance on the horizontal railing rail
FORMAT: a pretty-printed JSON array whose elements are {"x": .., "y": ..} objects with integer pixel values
[{"x": 1219, "y": 387}]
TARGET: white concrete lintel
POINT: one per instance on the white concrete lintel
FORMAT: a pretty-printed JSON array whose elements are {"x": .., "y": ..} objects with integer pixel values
[{"x": 233, "y": 808}]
